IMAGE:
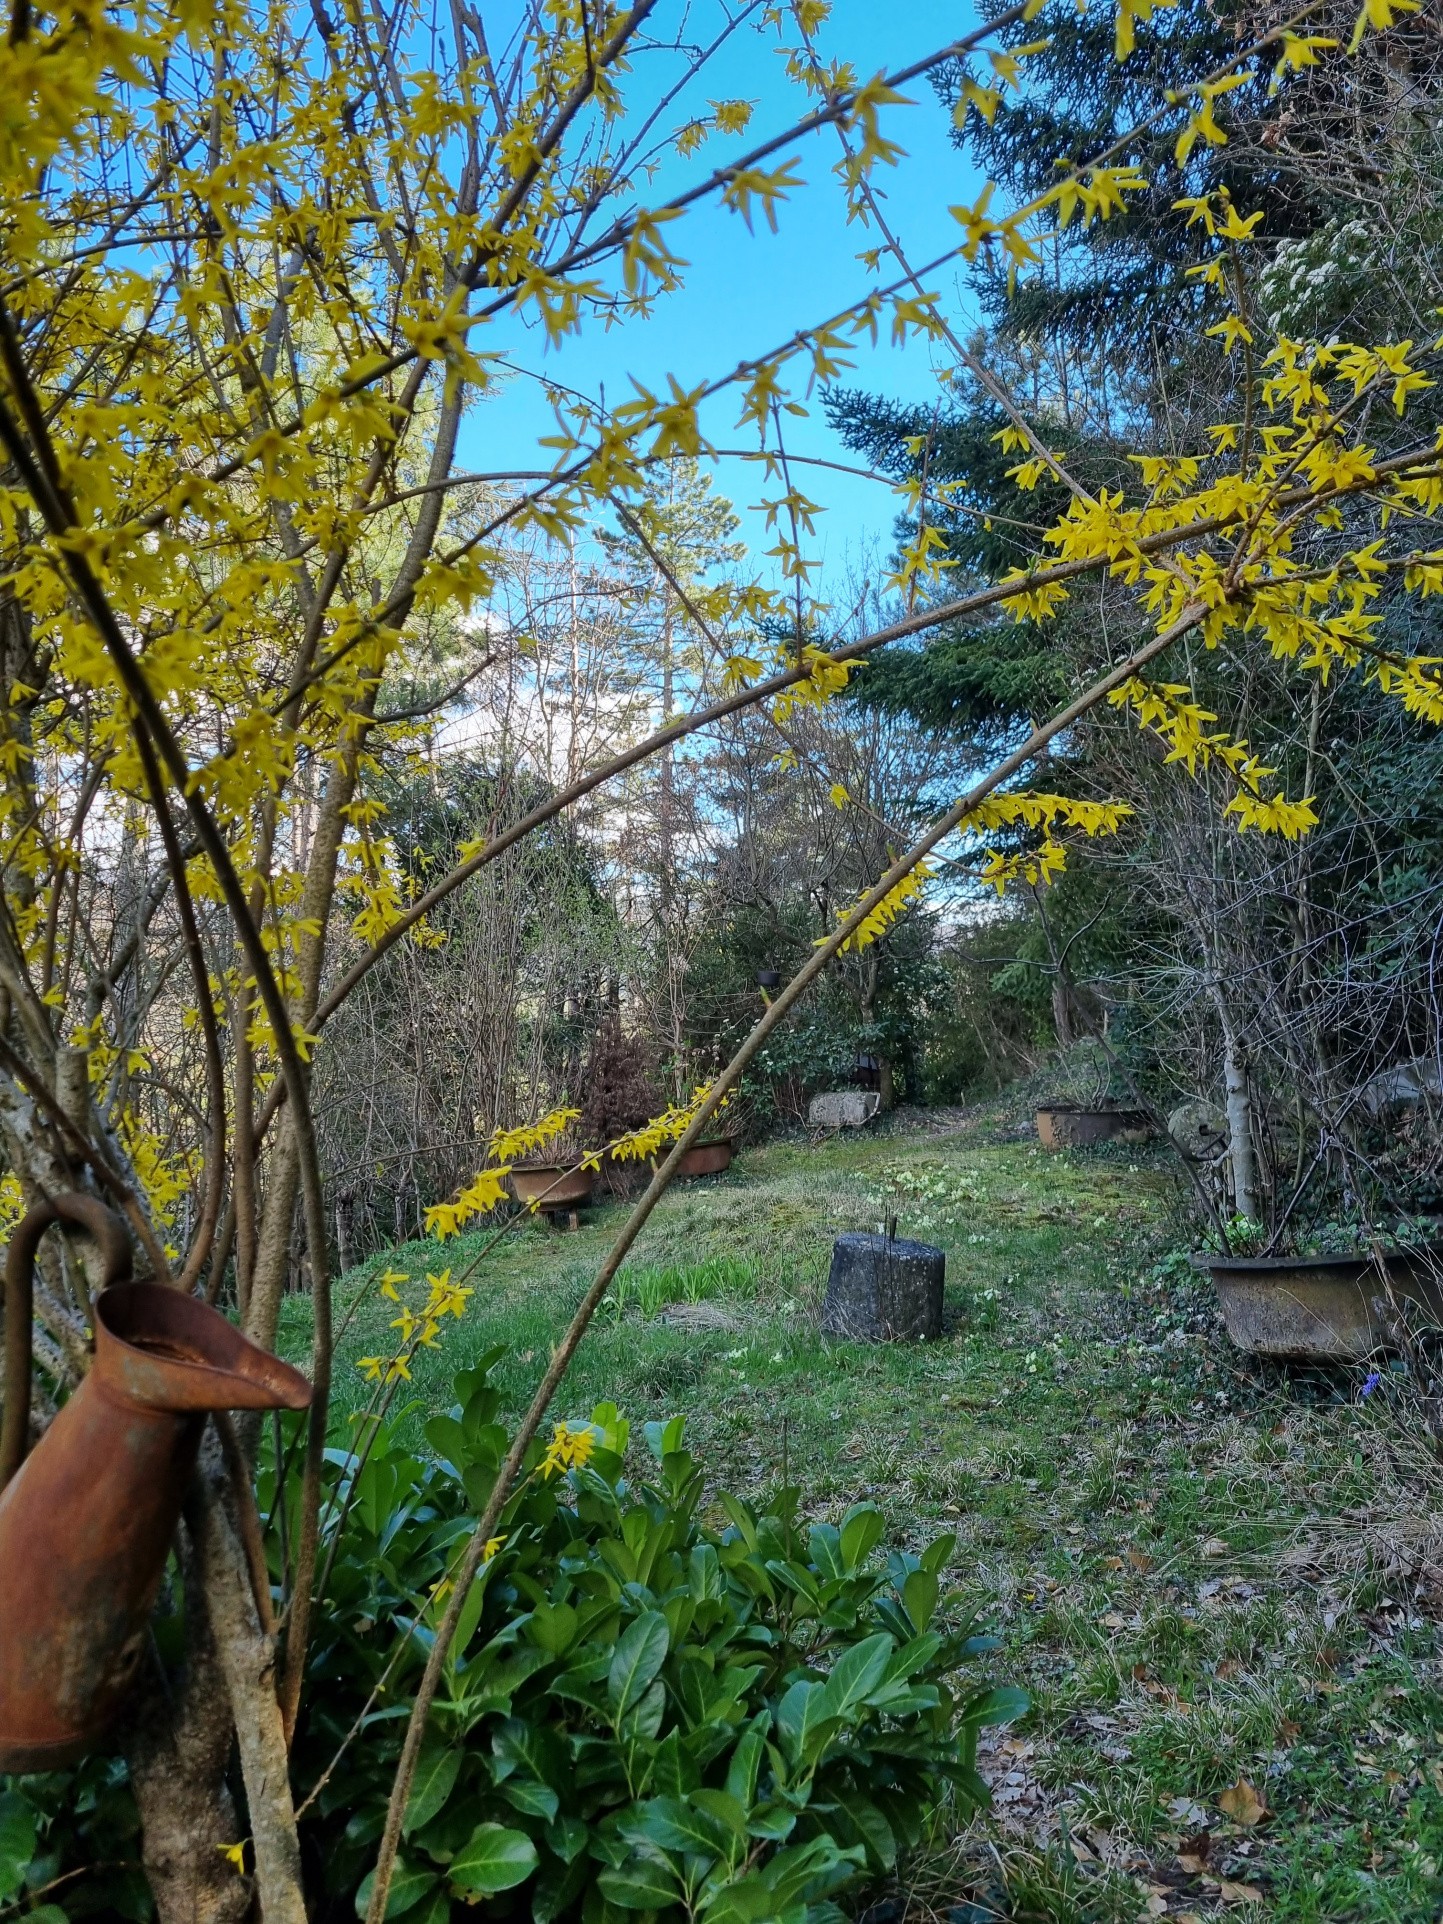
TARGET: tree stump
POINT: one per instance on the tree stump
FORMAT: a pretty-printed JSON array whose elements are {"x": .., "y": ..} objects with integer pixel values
[{"x": 884, "y": 1289}]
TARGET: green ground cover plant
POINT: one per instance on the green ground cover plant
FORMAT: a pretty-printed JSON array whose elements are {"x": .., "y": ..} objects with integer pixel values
[
  {"x": 1219, "y": 1584},
  {"x": 641, "y": 1712}
]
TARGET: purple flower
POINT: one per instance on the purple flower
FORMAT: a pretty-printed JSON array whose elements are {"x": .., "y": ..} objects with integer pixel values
[{"x": 1374, "y": 1378}]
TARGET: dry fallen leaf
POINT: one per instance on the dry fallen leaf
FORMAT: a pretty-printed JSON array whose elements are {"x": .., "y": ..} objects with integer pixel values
[
  {"x": 1112, "y": 1563},
  {"x": 1243, "y": 1804},
  {"x": 1110, "y": 1620},
  {"x": 1215, "y": 1547},
  {"x": 1239, "y": 1893},
  {"x": 1139, "y": 1559}
]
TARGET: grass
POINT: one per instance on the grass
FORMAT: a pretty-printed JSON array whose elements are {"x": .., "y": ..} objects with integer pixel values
[{"x": 1218, "y": 1582}]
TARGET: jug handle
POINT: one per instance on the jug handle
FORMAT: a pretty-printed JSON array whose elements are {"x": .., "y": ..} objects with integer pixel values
[{"x": 109, "y": 1232}]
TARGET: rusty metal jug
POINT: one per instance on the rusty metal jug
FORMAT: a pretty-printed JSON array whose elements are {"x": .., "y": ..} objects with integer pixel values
[{"x": 87, "y": 1521}]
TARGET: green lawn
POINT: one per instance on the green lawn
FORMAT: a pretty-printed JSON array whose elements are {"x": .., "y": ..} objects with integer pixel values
[{"x": 1215, "y": 1582}]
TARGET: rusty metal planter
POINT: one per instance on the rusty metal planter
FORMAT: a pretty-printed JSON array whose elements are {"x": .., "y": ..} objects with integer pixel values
[
  {"x": 551, "y": 1186},
  {"x": 86, "y": 1523},
  {"x": 1061, "y": 1126},
  {"x": 1325, "y": 1308},
  {"x": 708, "y": 1158}
]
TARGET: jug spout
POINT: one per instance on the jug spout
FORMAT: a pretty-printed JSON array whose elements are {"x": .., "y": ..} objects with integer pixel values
[
  {"x": 86, "y": 1523},
  {"x": 164, "y": 1351}
]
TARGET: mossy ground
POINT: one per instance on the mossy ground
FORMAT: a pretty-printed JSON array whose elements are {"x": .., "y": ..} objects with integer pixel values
[{"x": 1214, "y": 1580}]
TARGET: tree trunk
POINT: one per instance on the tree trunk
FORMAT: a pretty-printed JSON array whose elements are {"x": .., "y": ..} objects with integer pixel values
[
  {"x": 181, "y": 1745},
  {"x": 178, "y": 1749},
  {"x": 1240, "y": 1118},
  {"x": 345, "y": 1223},
  {"x": 1062, "y": 1008},
  {"x": 247, "y": 1656}
]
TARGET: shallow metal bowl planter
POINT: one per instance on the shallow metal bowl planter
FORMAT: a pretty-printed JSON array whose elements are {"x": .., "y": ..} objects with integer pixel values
[
  {"x": 1062, "y": 1125},
  {"x": 551, "y": 1185},
  {"x": 707, "y": 1158},
  {"x": 1326, "y": 1308}
]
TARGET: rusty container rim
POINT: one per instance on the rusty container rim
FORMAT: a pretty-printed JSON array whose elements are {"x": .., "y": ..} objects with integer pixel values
[
  {"x": 1088, "y": 1109},
  {"x": 168, "y": 1351},
  {"x": 1340, "y": 1266}
]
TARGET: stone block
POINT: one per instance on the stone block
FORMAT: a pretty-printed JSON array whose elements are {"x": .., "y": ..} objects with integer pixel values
[
  {"x": 843, "y": 1109},
  {"x": 884, "y": 1288}
]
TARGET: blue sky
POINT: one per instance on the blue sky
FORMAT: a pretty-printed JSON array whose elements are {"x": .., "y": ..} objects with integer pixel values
[{"x": 745, "y": 293}]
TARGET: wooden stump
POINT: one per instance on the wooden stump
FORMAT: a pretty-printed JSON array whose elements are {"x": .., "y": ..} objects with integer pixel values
[{"x": 884, "y": 1288}]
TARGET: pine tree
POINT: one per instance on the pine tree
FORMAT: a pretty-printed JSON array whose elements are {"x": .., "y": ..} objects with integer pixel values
[{"x": 1120, "y": 287}]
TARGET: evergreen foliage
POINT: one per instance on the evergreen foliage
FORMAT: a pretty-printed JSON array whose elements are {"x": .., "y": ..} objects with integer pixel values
[{"x": 1121, "y": 286}]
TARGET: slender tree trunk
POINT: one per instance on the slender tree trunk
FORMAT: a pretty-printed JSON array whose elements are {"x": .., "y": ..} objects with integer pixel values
[
  {"x": 247, "y": 1658},
  {"x": 1062, "y": 1010},
  {"x": 177, "y": 1751},
  {"x": 345, "y": 1221},
  {"x": 283, "y": 1171},
  {"x": 1239, "y": 1114}
]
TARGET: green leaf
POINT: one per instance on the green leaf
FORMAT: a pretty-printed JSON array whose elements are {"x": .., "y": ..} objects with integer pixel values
[
  {"x": 675, "y": 1824},
  {"x": 643, "y": 1720},
  {"x": 669, "y": 1775},
  {"x": 553, "y": 1627},
  {"x": 534, "y": 1750},
  {"x": 938, "y": 1553},
  {"x": 530, "y": 1798},
  {"x": 811, "y": 1870},
  {"x": 644, "y": 1883},
  {"x": 743, "y": 1520},
  {"x": 775, "y": 1821},
  {"x": 857, "y": 1672},
  {"x": 409, "y": 1884},
  {"x": 1003, "y": 1704},
  {"x": 495, "y": 1859},
  {"x": 639, "y": 1655},
  {"x": 558, "y": 1886},
  {"x": 17, "y": 1841},
  {"x": 470, "y": 1616},
  {"x": 663, "y": 1438},
  {"x": 805, "y": 1720},
  {"x": 876, "y": 1832},
  {"x": 722, "y": 1811},
  {"x": 797, "y": 1578},
  {"x": 434, "y": 1781},
  {"x": 824, "y": 1546},
  {"x": 745, "y": 1764},
  {"x": 447, "y": 1436},
  {"x": 748, "y": 1900},
  {"x": 917, "y": 1653},
  {"x": 919, "y": 1597},
  {"x": 862, "y": 1529},
  {"x": 566, "y": 1836},
  {"x": 704, "y": 1575}
]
